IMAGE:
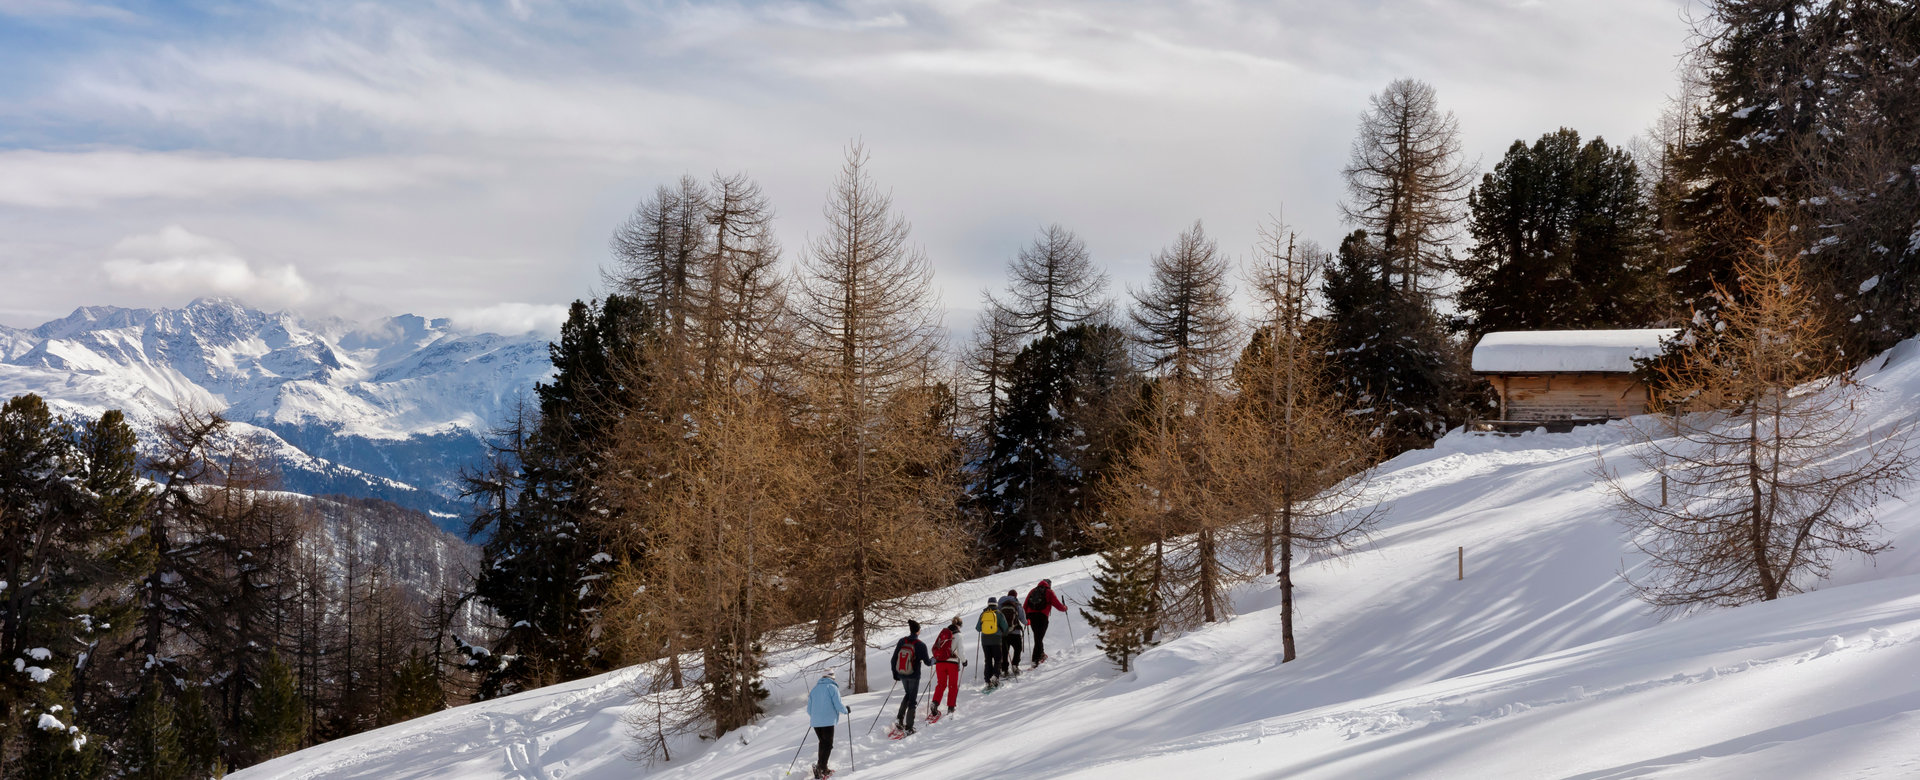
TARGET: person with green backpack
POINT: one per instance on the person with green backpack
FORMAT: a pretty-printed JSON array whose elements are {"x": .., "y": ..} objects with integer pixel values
[{"x": 991, "y": 636}]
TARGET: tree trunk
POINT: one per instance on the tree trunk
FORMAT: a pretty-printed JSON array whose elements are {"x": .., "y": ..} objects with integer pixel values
[
  {"x": 1286, "y": 583},
  {"x": 1757, "y": 520}
]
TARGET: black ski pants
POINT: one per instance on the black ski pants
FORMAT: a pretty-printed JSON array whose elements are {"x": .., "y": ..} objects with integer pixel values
[
  {"x": 1038, "y": 622},
  {"x": 996, "y": 659},
  {"x": 909, "y": 700},
  {"x": 825, "y": 733},
  {"x": 1015, "y": 643}
]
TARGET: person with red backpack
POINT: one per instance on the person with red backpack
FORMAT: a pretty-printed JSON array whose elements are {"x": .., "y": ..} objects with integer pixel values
[
  {"x": 947, "y": 662},
  {"x": 909, "y": 654},
  {"x": 1041, "y": 601}
]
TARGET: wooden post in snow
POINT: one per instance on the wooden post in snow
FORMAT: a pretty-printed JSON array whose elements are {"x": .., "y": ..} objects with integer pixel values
[{"x": 1463, "y": 562}]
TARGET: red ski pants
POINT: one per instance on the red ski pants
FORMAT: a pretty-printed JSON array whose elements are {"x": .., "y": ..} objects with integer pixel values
[{"x": 946, "y": 679}]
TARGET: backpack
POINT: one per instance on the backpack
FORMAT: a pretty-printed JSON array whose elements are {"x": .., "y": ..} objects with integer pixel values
[
  {"x": 1011, "y": 614},
  {"x": 903, "y": 658},
  {"x": 990, "y": 621},
  {"x": 1037, "y": 599},
  {"x": 943, "y": 645}
]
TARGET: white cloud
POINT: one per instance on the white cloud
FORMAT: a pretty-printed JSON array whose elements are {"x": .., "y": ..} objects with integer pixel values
[
  {"x": 43, "y": 179},
  {"x": 512, "y": 318},
  {"x": 175, "y": 263},
  {"x": 441, "y": 157}
]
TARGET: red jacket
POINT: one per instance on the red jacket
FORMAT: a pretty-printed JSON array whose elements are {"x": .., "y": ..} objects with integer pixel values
[{"x": 1052, "y": 601}]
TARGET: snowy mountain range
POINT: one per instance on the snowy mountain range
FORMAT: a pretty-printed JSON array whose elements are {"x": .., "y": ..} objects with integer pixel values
[{"x": 390, "y": 409}]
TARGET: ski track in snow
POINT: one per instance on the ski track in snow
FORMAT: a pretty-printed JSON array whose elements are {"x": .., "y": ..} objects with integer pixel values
[{"x": 1539, "y": 664}]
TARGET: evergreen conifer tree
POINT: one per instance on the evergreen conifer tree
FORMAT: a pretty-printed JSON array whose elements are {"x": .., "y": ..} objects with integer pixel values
[
  {"x": 69, "y": 497},
  {"x": 1067, "y": 398},
  {"x": 1125, "y": 603},
  {"x": 1392, "y": 361},
  {"x": 541, "y": 505},
  {"x": 199, "y": 732},
  {"x": 413, "y": 690},
  {"x": 151, "y": 749},
  {"x": 276, "y": 714},
  {"x": 1810, "y": 115},
  {"x": 1561, "y": 241}
]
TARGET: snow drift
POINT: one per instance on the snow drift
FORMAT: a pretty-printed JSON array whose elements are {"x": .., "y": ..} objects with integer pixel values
[{"x": 1540, "y": 663}]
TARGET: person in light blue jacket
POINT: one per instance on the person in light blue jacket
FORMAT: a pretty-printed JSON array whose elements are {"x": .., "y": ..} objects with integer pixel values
[{"x": 824, "y": 708}]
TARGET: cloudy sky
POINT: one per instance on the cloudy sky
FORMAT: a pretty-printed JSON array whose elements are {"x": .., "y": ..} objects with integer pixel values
[{"x": 468, "y": 159}]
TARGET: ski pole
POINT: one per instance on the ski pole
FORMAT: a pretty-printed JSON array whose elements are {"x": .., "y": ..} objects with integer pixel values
[
  {"x": 796, "y": 751},
  {"x": 1068, "y": 614},
  {"x": 883, "y": 709},
  {"x": 850, "y": 766}
]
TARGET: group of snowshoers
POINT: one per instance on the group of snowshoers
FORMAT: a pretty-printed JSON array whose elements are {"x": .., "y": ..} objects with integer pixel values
[{"x": 1003, "y": 626}]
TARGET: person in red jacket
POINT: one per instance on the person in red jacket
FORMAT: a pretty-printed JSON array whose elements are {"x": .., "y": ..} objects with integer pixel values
[
  {"x": 1041, "y": 601},
  {"x": 947, "y": 661}
]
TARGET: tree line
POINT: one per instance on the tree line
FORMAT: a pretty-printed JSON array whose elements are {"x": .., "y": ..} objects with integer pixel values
[
  {"x": 737, "y": 453},
  {"x": 736, "y": 456},
  {"x": 168, "y": 614}
]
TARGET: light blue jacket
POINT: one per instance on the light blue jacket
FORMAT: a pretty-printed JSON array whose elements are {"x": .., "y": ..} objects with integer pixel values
[{"x": 823, "y": 704}]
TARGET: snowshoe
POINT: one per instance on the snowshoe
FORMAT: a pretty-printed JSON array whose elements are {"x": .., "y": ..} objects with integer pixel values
[
  {"x": 933, "y": 717},
  {"x": 989, "y": 689}
]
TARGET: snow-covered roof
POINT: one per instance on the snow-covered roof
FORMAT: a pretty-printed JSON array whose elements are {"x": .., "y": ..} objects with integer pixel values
[{"x": 1566, "y": 351}]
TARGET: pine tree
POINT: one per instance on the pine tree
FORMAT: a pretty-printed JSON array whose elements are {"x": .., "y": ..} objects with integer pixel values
[
  {"x": 1124, "y": 609},
  {"x": 276, "y": 719},
  {"x": 152, "y": 748},
  {"x": 1393, "y": 362},
  {"x": 412, "y": 690},
  {"x": 199, "y": 731},
  {"x": 1561, "y": 241},
  {"x": 1811, "y": 113},
  {"x": 549, "y": 546},
  {"x": 1067, "y": 401},
  {"x": 70, "y": 498}
]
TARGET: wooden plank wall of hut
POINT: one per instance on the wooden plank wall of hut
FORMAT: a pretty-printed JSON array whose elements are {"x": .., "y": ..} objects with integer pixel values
[{"x": 1569, "y": 396}]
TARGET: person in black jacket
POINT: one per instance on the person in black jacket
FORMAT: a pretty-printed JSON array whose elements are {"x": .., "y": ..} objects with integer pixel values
[
  {"x": 1015, "y": 640},
  {"x": 909, "y": 654}
]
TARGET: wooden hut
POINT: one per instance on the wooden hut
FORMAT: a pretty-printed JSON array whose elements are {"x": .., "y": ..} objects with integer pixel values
[{"x": 1562, "y": 378}]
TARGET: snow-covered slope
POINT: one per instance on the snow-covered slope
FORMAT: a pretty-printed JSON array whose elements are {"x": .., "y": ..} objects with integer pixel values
[
  {"x": 390, "y": 409},
  {"x": 1539, "y": 664}
]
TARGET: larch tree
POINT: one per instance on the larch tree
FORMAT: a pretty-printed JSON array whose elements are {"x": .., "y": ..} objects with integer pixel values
[
  {"x": 1767, "y": 466},
  {"x": 1187, "y": 330},
  {"x": 717, "y": 539},
  {"x": 1053, "y": 283},
  {"x": 1406, "y": 181},
  {"x": 868, "y": 328},
  {"x": 657, "y": 254},
  {"x": 1295, "y": 464},
  {"x": 1183, "y": 319}
]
